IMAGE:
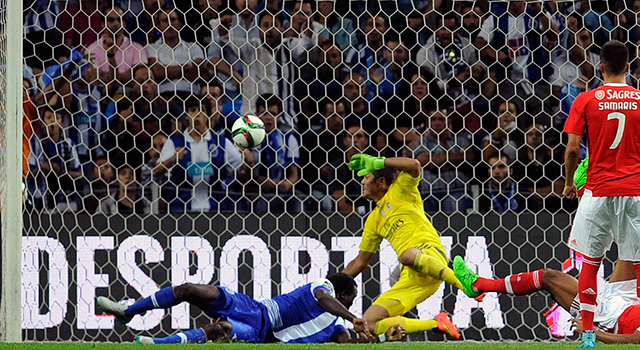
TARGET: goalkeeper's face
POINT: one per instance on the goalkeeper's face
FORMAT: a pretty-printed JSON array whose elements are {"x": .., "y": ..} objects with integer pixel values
[{"x": 373, "y": 188}]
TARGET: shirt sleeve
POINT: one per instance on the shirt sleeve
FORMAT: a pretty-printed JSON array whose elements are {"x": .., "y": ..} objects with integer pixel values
[
  {"x": 74, "y": 162},
  {"x": 168, "y": 150},
  {"x": 214, "y": 50},
  {"x": 234, "y": 157},
  {"x": 142, "y": 53},
  {"x": 322, "y": 283},
  {"x": 407, "y": 181},
  {"x": 195, "y": 52},
  {"x": 152, "y": 50},
  {"x": 339, "y": 326},
  {"x": 293, "y": 150},
  {"x": 486, "y": 29},
  {"x": 36, "y": 157},
  {"x": 576, "y": 122}
]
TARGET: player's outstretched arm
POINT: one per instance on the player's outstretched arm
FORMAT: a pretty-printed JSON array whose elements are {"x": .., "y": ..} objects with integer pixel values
[
  {"x": 358, "y": 264},
  {"x": 364, "y": 164},
  {"x": 633, "y": 338},
  {"x": 335, "y": 307},
  {"x": 394, "y": 333},
  {"x": 571, "y": 156},
  {"x": 409, "y": 165}
]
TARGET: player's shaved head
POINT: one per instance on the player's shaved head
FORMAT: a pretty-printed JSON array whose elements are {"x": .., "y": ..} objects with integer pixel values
[
  {"x": 342, "y": 282},
  {"x": 614, "y": 56}
]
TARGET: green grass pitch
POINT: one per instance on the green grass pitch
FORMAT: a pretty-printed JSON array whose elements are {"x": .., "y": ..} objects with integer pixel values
[{"x": 385, "y": 346}]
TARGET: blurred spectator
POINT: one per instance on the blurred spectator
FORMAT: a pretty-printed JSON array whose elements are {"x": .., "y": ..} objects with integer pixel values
[
  {"x": 204, "y": 18},
  {"x": 238, "y": 26},
  {"x": 324, "y": 80},
  {"x": 369, "y": 51},
  {"x": 273, "y": 7},
  {"x": 443, "y": 154},
  {"x": 29, "y": 116},
  {"x": 82, "y": 98},
  {"x": 598, "y": 19},
  {"x": 245, "y": 24},
  {"x": 502, "y": 141},
  {"x": 626, "y": 24},
  {"x": 337, "y": 29},
  {"x": 575, "y": 70},
  {"x": 140, "y": 22},
  {"x": 42, "y": 40},
  {"x": 500, "y": 193},
  {"x": 113, "y": 53},
  {"x": 302, "y": 20},
  {"x": 391, "y": 78},
  {"x": 125, "y": 199},
  {"x": 633, "y": 79},
  {"x": 344, "y": 185},
  {"x": 125, "y": 140},
  {"x": 147, "y": 177},
  {"x": 273, "y": 67},
  {"x": 471, "y": 19},
  {"x": 176, "y": 64},
  {"x": 579, "y": 64},
  {"x": 513, "y": 43},
  {"x": 537, "y": 172},
  {"x": 324, "y": 143},
  {"x": 100, "y": 186},
  {"x": 156, "y": 112},
  {"x": 356, "y": 98},
  {"x": 81, "y": 22},
  {"x": 453, "y": 60},
  {"x": 54, "y": 164},
  {"x": 153, "y": 154},
  {"x": 413, "y": 121},
  {"x": 277, "y": 160},
  {"x": 224, "y": 53},
  {"x": 426, "y": 95},
  {"x": 201, "y": 164},
  {"x": 416, "y": 31},
  {"x": 212, "y": 92}
]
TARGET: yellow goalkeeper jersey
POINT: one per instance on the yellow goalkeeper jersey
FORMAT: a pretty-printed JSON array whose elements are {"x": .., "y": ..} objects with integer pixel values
[{"x": 399, "y": 217}]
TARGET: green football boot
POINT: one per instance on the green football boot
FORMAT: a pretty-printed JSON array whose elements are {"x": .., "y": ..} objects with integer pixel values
[{"x": 466, "y": 276}]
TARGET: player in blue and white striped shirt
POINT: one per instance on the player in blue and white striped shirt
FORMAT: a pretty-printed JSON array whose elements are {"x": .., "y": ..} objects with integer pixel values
[{"x": 313, "y": 313}]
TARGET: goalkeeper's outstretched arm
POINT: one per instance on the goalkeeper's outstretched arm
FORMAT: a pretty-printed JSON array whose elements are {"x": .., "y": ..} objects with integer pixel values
[
  {"x": 410, "y": 165},
  {"x": 364, "y": 164}
]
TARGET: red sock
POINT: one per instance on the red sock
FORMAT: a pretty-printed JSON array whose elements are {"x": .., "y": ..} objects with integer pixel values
[
  {"x": 588, "y": 290},
  {"x": 636, "y": 266},
  {"x": 522, "y": 283}
]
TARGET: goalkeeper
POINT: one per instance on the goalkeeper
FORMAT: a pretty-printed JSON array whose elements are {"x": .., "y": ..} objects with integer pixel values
[{"x": 399, "y": 217}]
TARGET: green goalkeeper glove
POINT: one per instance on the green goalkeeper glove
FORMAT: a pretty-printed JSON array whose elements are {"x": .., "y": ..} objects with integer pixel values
[
  {"x": 365, "y": 163},
  {"x": 580, "y": 176}
]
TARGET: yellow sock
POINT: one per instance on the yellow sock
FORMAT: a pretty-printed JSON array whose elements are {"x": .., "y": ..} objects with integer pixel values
[
  {"x": 432, "y": 267},
  {"x": 411, "y": 325}
]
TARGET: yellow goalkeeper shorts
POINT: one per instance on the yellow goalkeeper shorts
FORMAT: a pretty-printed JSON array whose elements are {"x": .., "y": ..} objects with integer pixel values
[{"x": 412, "y": 288}]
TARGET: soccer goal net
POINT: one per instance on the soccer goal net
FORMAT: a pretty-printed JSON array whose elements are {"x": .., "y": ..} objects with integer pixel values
[{"x": 133, "y": 183}]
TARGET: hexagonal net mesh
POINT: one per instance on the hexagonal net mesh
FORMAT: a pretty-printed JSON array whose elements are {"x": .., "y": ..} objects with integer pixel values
[{"x": 134, "y": 183}]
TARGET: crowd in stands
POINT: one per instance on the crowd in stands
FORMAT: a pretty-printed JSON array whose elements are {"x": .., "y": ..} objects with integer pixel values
[{"x": 130, "y": 102}]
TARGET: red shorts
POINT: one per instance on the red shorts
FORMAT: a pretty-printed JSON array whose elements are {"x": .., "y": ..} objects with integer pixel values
[{"x": 629, "y": 321}]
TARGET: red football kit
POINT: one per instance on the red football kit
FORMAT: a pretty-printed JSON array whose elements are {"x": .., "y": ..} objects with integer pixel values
[
  {"x": 629, "y": 321},
  {"x": 610, "y": 115}
]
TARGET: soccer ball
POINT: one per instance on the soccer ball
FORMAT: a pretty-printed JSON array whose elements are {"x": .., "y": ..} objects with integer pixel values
[{"x": 248, "y": 131}]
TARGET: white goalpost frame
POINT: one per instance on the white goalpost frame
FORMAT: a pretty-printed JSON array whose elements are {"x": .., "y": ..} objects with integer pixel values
[{"x": 10, "y": 304}]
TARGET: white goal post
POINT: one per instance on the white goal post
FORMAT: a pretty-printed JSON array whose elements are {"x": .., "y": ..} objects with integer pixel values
[{"x": 10, "y": 302}]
